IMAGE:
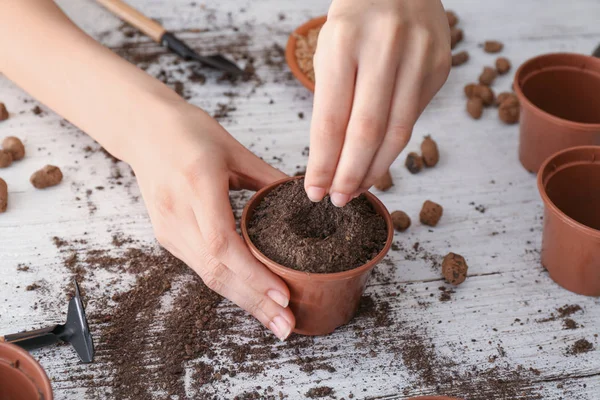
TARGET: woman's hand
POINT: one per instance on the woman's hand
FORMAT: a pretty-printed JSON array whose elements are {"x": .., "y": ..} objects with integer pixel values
[
  {"x": 185, "y": 168},
  {"x": 184, "y": 160},
  {"x": 378, "y": 64}
]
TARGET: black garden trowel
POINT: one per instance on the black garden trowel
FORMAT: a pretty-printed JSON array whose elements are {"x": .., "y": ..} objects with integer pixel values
[{"x": 75, "y": 331}]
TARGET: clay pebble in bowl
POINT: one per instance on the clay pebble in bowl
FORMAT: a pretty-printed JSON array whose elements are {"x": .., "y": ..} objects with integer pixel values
[
  {"x": 300, "y": 49},
  {"x": 321, "y": 301}
]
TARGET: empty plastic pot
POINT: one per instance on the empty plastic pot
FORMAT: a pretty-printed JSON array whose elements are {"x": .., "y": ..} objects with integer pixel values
[
  {"x": 569, "y": 183},
  {"x": 560, "y": 105}
]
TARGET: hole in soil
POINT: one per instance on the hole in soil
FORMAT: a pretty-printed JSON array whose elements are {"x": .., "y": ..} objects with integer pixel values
[
  {"x": 305, "y": 226},
  {"x": 575, "y": 190},
  {"x": 567, "y": 93}
]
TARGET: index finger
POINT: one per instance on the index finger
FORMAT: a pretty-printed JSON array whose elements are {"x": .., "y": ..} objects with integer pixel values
[{"x": 335, "y": 75}]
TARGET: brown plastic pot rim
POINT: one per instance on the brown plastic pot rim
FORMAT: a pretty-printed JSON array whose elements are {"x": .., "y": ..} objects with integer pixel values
[
  {"x": 44, "y": 386},
  {"x": 546, "y": 199},
  {"x": 290, "y": 50},
  {"x": 292, "y": 273},
  {"x": 525, "y": 101}
]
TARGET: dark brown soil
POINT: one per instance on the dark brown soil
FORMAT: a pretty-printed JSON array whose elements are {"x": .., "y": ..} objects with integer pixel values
[
  {"x": 319, "y": 392},
  {"x": 316, "y": 237},
  {"x": 579, "y": 347}
]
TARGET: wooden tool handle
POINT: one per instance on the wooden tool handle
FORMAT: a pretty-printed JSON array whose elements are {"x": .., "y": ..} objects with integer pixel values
[{"x": 135, "y": 18}]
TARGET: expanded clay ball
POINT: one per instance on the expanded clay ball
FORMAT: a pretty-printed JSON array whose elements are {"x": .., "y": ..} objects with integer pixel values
[
  {"x": 414, "y": 163},
  {"x": 452, "y": 18},
  {"x": 454, "y": 268},
  {"x": 400, "y": 220},
  {"x": 460, "y": 58},
  {"x": 385, "y": 182},
  {"x": 487, "y": 76},
  {"x": 475, "y": 107},
  {"x": 431, "y": 213},
  {"x": 430, "y": 152},
  {"x": 456, "y": 36},
  {"x": 5, "y": 158},
  {"x": 492, "y": 46},
  {"x": 15, "y": 147},
  {"x": 509, "y": 111},
  {"x": 46, "y": 177},
  {"x": 470, "y": 89},
  {"x": 502, "y": 65},
  {"x": 3, "y": 112},
  {"x": 485, "y": 93},
  {"x": 3, "y": 195},
  {"x": 502, "y": 97}
]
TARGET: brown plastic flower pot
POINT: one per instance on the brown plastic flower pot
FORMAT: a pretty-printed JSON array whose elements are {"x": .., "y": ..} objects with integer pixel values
[
  {"x": 21, "y": 377},
  {"x": 569, "y": 183},
  {"x": 560, "y": 105},
  {"x": 320, "y": 302},
  {"x": 290, "y": 50}
]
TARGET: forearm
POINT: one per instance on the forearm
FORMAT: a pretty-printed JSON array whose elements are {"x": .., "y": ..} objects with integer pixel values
[{"x": 48, "y": 56}]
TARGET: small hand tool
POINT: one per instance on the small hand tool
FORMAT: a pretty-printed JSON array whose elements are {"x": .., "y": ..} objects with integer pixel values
[
  {"x": 160, "y": 35},
  {"x": 75, "y": 331}
]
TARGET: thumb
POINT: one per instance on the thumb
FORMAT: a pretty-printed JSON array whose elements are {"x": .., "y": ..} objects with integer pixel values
[{"x": 251, "y": 172}]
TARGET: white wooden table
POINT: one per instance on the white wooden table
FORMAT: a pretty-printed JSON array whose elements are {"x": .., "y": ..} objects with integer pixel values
[{"x": 507, "y": 291}]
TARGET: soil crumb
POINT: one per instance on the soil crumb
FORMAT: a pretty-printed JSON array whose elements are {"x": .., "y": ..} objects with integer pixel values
[
  {"x": 319, "y": 392},
  {"x": 579, "y": 347}
]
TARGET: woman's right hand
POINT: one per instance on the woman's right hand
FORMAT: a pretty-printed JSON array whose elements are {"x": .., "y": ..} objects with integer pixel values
[{"x": 185, "y": 167}]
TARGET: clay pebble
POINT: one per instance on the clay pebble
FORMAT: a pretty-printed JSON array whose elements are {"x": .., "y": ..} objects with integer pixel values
[
  {"x": 454, "y": 268},
  {"x": 431, "y": 213},
  {"x": 14, "y": 146},
  {"x": 46, "y": 177},
  {"x": 414, "y": 163},
  {"x": 400, "y": 220},
  {"x": 385, "y": 182},
  {"x": 3, "y": 196},
  {"x": 430, "y": 152}
]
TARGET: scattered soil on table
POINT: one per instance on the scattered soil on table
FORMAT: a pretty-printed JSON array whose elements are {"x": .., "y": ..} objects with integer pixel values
[
  {"x": 32, "y": 287},
  {"x": 563, "y": 312},
  {"x": 37, "y": 110},
  {"x": 579, "y": 347},
  {"x": 23, "y": 268},
  {"x": 570, "y": 324},
  {"x": 316, "y": 237},
  {"x": 416, "y": 252},
  {"x": 319, "y": 392}
]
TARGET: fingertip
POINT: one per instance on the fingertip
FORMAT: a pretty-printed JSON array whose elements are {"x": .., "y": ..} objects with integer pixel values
[
  {"x": 280, "y": 298},
  {"x": 315, "y": 194},
  {"x": 339, "y": 199}
]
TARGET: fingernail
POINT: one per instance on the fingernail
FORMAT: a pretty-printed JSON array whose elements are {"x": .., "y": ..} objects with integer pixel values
[
  {"x": 280, "y": 327},
  {"x": 278, "y": 298},
  {"x": 339, "y": 199},
  {"x": 315, "y": 194}
]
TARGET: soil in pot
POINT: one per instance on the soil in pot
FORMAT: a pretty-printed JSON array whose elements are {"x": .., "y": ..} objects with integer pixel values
[{"x": 316, "y": 237}]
